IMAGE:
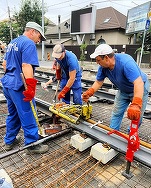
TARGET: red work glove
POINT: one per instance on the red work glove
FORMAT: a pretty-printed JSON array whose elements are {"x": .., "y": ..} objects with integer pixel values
[
  {"x": 63, "y": 92},
  {"x": 134, "y": 110},
  {"x": 29, "y": 93},
  {"x": 87, "y": 94},
  {"x": 58, "y": 74}
]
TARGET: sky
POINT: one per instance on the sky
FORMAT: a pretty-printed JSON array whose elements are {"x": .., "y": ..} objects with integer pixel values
[{"x": 65, "y": 7}]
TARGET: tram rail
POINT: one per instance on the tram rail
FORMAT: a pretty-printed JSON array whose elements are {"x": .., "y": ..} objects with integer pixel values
[{"x": 63, "y": 166}]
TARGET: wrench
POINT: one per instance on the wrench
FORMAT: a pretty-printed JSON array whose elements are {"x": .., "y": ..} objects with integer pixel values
[{"x": 91, "y": 126}]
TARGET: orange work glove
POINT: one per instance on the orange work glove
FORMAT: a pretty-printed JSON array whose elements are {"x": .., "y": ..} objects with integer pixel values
[
  {"x": 134, "y": 110},
  {"x": 63, "y": 92},
  {"x": 29, "y": 93},
  {"x": 87, "y": 94},
  {"x": 58, "y": 74}
]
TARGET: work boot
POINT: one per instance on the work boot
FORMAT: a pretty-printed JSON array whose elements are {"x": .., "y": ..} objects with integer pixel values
[
  {"x": 9, "y": 147},
  {"x": 37, "y": 149}
]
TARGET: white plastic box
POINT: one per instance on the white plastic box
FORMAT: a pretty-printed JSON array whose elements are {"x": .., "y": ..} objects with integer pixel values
[
  {"x": 101, "y": 153},
  {"x": 81, "y": 143}
]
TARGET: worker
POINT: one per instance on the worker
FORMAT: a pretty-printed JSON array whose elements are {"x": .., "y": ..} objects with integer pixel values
[
  {"x": 69, "y": 73},
  {"x": 124, "y": 73},
  {"x": 21, "y": 57}
]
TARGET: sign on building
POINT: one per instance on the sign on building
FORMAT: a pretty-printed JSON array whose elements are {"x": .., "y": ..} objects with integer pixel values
[
  {"x": 83, "y": 20},
  {"x": 136, "y": 18}
]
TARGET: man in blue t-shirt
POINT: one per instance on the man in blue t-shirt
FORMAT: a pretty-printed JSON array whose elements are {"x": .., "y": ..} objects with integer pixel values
[
  {"x": 21, "y": 57},
  {"x": 124, "y": 73},
  {"x": 69, "y": 72}
]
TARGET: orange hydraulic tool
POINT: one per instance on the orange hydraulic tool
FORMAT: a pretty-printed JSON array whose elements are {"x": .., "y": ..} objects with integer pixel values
[{"x": 132, "y": 146}]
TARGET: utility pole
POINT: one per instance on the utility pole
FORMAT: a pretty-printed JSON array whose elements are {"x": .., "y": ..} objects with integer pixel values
[
  {"x": 59, "y": 29},
  {"x": 10, "y": 23},
  {"x": 144, "y": 35}
]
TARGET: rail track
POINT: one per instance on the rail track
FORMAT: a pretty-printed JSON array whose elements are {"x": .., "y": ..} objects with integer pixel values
[{"x": 63, "y": 165}]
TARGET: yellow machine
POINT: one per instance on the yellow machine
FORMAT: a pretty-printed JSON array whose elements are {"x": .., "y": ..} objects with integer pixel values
[{"x": 72, "y": 113}]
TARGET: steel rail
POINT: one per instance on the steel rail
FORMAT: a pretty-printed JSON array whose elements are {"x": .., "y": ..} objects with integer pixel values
[
  {"x": 87, "y": 82},
  {"x": 39, "y": 74},
  {"x": 101, "y": 94},
  {"x": 11, "y": 152},
  {"x": 100, "y": 133},
  {"x": 143, "y": 155}
]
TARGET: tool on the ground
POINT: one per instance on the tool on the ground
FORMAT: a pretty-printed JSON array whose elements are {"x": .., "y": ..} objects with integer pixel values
[
  {"x": 91, "y": 126},
  {"x": 55, "y": 95},
  {"x": 72, "y": 113},
  {"x": 132, "y": 146},
  {"x": 32, "y": 107}
]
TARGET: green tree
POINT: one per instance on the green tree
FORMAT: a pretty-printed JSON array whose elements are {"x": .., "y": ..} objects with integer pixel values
[
  {"x": 82, "y": 56},
  {"x": 147, "y": 41},
  {"x": 147, "y": 46},
  {"x": 29, "y": 11},
  {"x": 82, "y": 49},
  {"x": 5, "y": 31}
]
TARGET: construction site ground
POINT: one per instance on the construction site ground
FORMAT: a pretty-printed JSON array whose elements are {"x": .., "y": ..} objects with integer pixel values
[{"x": 64, "y": 166}]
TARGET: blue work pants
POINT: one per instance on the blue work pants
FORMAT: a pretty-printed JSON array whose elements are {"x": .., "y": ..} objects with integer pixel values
[
  {"x": 122, "y": 100},
  {"x": 76, "y": 90},
  {"x": 19, "y": 115}
]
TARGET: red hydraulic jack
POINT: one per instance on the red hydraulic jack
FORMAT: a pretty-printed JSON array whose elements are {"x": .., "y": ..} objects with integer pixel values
[{"x": 132, "y": 146}]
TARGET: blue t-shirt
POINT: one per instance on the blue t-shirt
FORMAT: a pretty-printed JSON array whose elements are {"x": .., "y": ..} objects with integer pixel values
[
  {"x": 125, "y": 72},
  {"x": 69, "y": 63},
  {"x": 20, "y": 50}
]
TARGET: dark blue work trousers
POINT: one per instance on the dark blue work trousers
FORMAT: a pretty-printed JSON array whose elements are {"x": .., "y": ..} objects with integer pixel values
[
  {"x": 19, "y": 115},
  {"x": 76, "y": 91}
]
